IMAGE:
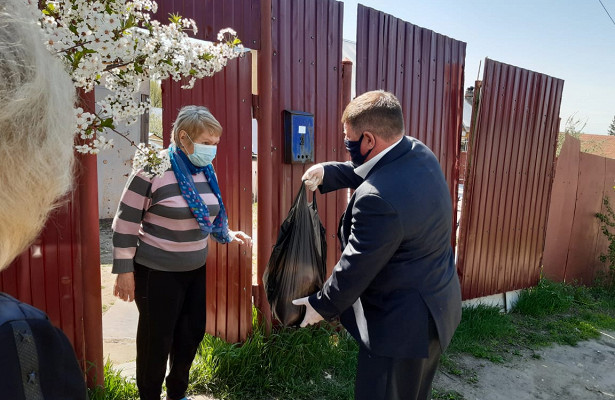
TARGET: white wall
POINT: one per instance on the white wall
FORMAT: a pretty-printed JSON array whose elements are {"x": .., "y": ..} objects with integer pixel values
[{"x": 115, "y": 165}]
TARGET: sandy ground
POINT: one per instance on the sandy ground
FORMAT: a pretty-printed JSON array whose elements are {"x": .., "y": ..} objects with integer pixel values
[
  {"x": 118, "y": 346},
  {"x": 583, "y": 372}
]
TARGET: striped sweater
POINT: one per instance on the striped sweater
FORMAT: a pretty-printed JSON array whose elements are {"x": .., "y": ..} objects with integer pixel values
[{"x": 154, "y": 227}]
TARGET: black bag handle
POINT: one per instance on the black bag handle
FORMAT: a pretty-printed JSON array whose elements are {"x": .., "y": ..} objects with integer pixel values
[{"x": 314, "y": 205}]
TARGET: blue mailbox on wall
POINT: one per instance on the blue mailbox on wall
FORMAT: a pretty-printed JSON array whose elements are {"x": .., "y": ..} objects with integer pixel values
[{"x": 298, "y": 137}]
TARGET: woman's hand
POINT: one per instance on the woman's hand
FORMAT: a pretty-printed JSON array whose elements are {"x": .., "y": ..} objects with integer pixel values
[
  {"x": 124, "y": 287},
  {"x": 242, "y": 238}
]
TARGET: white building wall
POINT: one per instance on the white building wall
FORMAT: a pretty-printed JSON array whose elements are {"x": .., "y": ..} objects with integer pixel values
[{"x": 115, "y": 165}]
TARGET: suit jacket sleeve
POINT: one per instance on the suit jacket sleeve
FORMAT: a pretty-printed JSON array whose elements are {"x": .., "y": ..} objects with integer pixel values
[
  {"x": 339, "y": 175},
  {"x": 375, "y": 236}
]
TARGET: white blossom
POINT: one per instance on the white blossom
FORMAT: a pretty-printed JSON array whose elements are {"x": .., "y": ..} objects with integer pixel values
[
  {"x": 116, "y": 44},
  {"x": 152, "y": 162}
]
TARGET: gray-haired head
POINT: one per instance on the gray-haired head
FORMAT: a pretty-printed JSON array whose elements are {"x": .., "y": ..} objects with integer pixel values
[
  {"x": 194, "y": 120},
  {"x": 36, "y": 130}
]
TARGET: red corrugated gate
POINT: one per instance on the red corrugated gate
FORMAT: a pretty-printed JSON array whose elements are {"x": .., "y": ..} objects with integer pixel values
[
  {"x": 228, "y": 95},
  {"x": 299, "y": 68},
  {"x": 508, "y": 181},
  {"x": 425, "y": 71}
]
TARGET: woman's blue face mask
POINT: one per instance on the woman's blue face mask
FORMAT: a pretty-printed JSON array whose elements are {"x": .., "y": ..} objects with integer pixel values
[{"x": 203, "y": 154}]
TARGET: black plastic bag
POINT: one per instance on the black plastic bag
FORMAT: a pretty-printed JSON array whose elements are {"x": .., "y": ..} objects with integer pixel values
[{"x": 297, "y": 265}]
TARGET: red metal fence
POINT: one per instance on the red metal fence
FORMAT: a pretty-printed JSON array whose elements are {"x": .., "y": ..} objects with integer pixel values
[
  {"x": 574, "y": 239},
  {"x": 49, "y": 274},
  {"x": 299, "y": 68},
  {"x": 212, "y": 15},
  {"x": 424, "y": 70},
  {"x": 508, "y": 181}
]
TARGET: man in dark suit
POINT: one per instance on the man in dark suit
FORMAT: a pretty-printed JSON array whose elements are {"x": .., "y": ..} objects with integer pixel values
[{"x": 395, "y": 286}]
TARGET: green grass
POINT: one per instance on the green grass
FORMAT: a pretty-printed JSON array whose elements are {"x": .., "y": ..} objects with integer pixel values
[
  {"x": 482, "y": 332},
  {"x": 546, "y": 314},
  {"x": 313, "y": 363},
  {"x": 319, "y": 362},
  {"x": 116, "y": 387}
]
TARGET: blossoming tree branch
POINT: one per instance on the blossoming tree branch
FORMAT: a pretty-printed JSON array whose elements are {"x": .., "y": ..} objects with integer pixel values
[{"x": 116, "y": 44}]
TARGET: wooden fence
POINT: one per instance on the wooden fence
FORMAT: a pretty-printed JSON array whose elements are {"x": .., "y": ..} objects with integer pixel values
[{"x": 574, "y": 240}]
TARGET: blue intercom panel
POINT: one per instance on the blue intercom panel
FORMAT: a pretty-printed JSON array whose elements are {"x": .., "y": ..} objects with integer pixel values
[{"x": 298, "y": 137}]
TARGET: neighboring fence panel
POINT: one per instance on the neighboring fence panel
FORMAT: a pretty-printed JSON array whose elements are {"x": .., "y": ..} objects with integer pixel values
[
  {"x": 425, "y": 71},
  {"x": 574, "y": 239},
  {"x": 229, "y": 267},
  {"x": 212, "y": 15},
  {"x": 302, "y": 64},
  {"x": 508, "y": 184},
  {"x": 48, "y": 274},
  {"x": 561, "y": 210}
]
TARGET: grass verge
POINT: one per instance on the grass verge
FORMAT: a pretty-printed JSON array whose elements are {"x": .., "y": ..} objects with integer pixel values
[{"x": 320, "y": 362}]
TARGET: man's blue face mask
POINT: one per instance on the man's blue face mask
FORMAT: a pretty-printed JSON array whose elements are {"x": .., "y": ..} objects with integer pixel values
[{"x": 354, "y": 148}]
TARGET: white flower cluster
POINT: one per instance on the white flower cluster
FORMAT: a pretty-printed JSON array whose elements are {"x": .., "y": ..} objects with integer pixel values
[
  {"x": 152, "y": 162},
  {"x": 116, "y": 44}
]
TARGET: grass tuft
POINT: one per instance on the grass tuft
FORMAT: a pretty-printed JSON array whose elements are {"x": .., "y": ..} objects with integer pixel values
[
  {"x": 481, "y": 333},
  {"x": 116, "y": 386},
  {"x": 290, "y": 363}
]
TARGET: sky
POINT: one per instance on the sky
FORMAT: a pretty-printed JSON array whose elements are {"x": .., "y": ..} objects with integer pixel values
[{"x": 573, "y": 40}]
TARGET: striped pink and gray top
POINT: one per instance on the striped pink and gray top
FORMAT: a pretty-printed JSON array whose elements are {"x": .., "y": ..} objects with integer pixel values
[{"x": 154, "y": 227}]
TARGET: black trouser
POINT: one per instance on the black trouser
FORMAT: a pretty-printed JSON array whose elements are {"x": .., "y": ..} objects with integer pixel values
[
  {"x": 384, "y": 378},
  {"x": 171, "y": 326}
]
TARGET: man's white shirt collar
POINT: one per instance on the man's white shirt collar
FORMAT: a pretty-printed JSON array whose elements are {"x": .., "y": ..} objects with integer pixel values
[{"x": 363, "y": 169}]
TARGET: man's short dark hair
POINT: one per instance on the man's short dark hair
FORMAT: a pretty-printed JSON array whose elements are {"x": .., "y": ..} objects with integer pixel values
[{"x": 378, "y": 112}]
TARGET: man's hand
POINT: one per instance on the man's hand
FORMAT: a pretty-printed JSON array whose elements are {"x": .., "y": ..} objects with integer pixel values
[
  {"x": 311, "y": 316},
  {"x": 313, "y": 176},
  {"x": 124, "y": 287}
]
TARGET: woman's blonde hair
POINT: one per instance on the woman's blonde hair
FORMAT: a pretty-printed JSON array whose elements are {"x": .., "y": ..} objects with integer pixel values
[
  {"x": 36, "y": 130},
  {"x": 194, "y": 120}
]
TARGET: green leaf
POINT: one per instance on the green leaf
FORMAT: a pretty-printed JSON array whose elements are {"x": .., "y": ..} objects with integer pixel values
[
  {"x": 174, "y": 18},
  {"x": 236, "y": 42},
  {"x": 107, "y": 123}
]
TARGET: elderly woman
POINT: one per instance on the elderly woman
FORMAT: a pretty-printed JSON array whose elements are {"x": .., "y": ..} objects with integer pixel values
[
  {"x": 160, "y": 241},
  {"x": 36, "y": 155}
]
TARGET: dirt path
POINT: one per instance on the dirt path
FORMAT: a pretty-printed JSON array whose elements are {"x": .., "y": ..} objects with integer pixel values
[{"x": 582, "y": 372}]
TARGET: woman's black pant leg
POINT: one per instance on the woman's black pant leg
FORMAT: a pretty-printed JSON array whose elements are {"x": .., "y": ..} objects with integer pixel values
[
  {"x": 189, "y": 332},
  {"x": 159, "y": 296}
]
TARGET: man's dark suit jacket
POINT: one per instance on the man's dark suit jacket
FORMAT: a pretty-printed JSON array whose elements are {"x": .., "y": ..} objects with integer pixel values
[{"x": 397, "y": 264}]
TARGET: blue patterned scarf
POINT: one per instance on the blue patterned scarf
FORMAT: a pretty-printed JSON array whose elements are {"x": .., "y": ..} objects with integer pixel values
[{"x": 184, "y": 169}]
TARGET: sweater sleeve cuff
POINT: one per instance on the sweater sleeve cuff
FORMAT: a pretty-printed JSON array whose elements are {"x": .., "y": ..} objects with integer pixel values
[{"x": 121, "y": 266}]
